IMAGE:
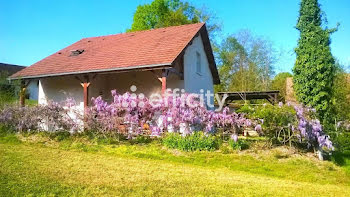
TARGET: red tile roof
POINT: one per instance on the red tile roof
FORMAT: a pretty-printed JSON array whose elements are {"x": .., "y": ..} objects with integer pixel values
[{"x": 150, "y": 48}]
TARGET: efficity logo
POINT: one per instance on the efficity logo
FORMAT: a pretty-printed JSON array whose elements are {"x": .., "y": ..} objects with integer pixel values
[{"x": 179, "y": 96}]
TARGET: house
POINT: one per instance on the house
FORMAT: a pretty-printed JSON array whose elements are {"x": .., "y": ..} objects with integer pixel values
[
  {"x": 152, "y": 60},
  {"x": 10, "y": 69}
]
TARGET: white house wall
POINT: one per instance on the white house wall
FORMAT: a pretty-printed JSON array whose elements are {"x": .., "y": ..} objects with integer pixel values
[
  {"x": 32, "y": 89},
  {"x": 194, "y": 81},
  {"x": 58, "y": 89}
]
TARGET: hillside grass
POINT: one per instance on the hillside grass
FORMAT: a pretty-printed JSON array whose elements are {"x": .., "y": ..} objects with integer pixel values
[{"x": 37, "y": 165}]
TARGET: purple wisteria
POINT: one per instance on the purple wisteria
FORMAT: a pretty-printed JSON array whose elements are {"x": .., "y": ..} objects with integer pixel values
[
  {"x": 168, "y": 113},
  {"x": 52, "y": 116},
  {"x": 312, "y": 129}
]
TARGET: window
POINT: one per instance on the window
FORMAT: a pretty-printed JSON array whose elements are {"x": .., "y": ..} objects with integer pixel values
[
  {"x": 198, "y": 63},
  {"x": 76, "y": 52}
]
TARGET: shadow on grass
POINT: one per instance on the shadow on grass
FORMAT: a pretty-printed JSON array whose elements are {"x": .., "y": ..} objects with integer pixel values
[{"x": 341, "y": 158}]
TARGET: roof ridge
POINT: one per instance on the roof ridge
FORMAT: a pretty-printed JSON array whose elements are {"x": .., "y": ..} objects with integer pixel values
[{"x": 146, "y": 30}]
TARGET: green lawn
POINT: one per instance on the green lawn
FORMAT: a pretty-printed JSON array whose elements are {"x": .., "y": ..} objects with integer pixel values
[{"x": 40, "y": 166}]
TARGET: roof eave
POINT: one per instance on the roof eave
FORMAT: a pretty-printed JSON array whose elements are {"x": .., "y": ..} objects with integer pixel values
[
  {"x": 151, "y": 66},
  {"x": 210, "y": 55}
]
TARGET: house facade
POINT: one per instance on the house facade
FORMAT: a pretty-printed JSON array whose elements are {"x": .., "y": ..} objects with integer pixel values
[{"x": 141, "y": 62}]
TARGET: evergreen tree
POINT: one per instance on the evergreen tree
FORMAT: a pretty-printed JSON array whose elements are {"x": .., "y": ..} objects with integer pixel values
[{"x": 314, "y": 69}]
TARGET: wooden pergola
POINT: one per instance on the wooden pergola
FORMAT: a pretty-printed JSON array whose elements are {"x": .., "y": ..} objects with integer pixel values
[{"x": 271, "y": 96}]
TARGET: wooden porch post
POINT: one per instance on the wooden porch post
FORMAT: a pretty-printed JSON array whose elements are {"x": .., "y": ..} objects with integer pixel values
[
  {"x": 86, "y": 95},
  {"x": 85, "y": 86},
  {"x": 276, "y": 98},
  {"x": 164, "y": 75},
  {"x": 22, "y": 93}
]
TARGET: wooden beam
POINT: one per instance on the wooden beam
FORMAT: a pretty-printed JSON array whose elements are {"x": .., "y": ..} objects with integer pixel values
[
  {"x": 159, "y": 77},
  {"x": 182, "y": 63},
  {"x": 77, "y": 78},
  {"x": 178, "y": 73}
]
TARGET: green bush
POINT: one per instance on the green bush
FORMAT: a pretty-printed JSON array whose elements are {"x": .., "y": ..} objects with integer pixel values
[
  {"x": 195, "y": 141},
  {"x": 8, "y": 91},
  {"x": 247, "y": 109},
  {"x": 276, "y": 121},
  {"x": 342, "y": 140},
  {"x": 141, "y": 140},
  {"x": 239, "y": 145},
  {"x": 275, "y": 116}
]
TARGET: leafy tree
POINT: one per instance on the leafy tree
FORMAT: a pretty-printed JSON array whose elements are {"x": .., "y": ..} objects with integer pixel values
[
  {"x": 341, "y": 94},
  {"x": 8, "y": 91},
  {"x": 245, "y": 63},
  {"x": 279, "y": 83},
  {"x": 161, "y": 13},
  {"x": 165, "y": 13},
  {"x": 314, "y": 69}
]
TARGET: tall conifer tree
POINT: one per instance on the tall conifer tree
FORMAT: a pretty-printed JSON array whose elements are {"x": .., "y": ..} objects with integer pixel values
[{"x": 314, "y": 69}]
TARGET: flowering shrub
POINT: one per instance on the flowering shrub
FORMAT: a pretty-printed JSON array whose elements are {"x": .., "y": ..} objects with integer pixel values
[
  {"x": 126, "y": 114},
  {"x": 311, "y": 129},
  {"x": 37, "y": 118},
  {"x": 290, "y": 124},
  {"x": 137, "y": 113}
]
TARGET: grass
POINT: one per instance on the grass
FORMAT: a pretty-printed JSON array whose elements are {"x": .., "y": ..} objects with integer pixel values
[{"x": 37, "y": 165}]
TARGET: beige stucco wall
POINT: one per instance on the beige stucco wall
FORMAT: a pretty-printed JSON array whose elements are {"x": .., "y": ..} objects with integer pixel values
[
  {"x": 58, "y": 89},
  {"x": 146, "y": 82}
]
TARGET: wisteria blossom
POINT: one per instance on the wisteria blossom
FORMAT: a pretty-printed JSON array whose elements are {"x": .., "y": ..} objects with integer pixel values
[
  {"x": 258, "y": 128},
  {"x": 42, "y": 117},
  {"x": 166, "y": 114},
  {"x": 234, "y": 137},
  {"x": 312, "y": 129}
]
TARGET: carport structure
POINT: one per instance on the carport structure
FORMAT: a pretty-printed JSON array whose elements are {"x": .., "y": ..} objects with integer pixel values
[{"x": 272, "y": 96}]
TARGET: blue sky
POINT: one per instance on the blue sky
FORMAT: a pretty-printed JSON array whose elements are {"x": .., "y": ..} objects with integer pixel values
[{"x": 32, "y": 30}]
